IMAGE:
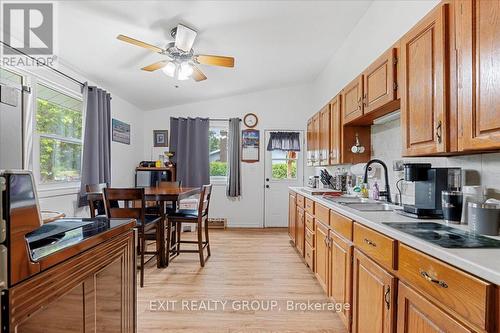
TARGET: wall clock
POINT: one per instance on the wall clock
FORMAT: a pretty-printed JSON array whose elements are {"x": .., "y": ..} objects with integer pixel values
[{"x": 250, "y": 120}]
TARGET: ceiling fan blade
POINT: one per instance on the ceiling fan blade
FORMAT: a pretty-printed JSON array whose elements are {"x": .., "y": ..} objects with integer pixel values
[
  {"x": 184, "y": 38},
  {"x": 139, "y": 43},
  {"x": 198, "y": 75},
  {"x": 214, "y": 60},
  {"x": 155, "y": 66}
]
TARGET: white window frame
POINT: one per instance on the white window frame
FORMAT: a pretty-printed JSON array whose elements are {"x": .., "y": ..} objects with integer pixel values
[
  {"x": 219, "y": 180},
  {"x": 296, "y": 159},
  {"x": 57, "y": 187}
]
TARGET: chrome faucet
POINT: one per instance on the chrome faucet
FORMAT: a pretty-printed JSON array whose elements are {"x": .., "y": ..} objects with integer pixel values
[{"x": 387, "y": 192}]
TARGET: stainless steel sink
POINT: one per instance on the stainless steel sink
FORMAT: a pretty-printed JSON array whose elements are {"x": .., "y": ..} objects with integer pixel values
[{"x": 369, "y": 206}]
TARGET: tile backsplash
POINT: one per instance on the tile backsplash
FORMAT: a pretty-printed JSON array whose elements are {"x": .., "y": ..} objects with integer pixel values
[{"x": 479, "y": 169}]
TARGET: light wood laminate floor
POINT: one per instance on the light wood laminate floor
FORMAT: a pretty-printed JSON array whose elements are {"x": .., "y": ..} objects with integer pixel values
[{"x": 245, "y": 266}]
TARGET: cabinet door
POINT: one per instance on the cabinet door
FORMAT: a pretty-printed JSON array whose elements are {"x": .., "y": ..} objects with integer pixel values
[
  {"x": 423, "y": 86},
  {"x": 352, "y": 95},
  {"x": 416, "y": 314},
  {"x": 335, "y": 131},
  {"x": 478, "y": 44},
  {"x": 341, "y": 275},
  {"x": 292, "y": 214},
  {"x": 324, "y": 135},
  {"x": 299, "y": 232},
  {"x": 380, "y": 82},
  {"x": 373, "y": 296},
  {"x": 310, "y": 142},
  {"x": 316, "y": 138},
  {"x": 322, "y": 255}
]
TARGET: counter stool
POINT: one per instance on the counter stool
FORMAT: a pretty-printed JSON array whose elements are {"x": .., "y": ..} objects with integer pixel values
[
  {"x": 197, "y": 216},
  {"x": 145, "y": 223}
]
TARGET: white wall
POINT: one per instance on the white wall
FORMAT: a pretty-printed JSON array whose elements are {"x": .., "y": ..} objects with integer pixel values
[
  {"x": 285, "y": 108},
  {"x": 124, "y": 157}
]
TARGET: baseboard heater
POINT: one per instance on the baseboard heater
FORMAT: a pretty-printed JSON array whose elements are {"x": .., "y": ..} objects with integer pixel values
[{"x": 217, "y": 222}]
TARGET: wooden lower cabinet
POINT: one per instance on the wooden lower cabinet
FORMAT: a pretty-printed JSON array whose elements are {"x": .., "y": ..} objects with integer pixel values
[
  {"x": 300, "y": 230},
  {"x": 373, "y": 296},
  {"x": 322, "y": 255},
  {"x": 340, "y": 278},
  {"x": 292, "y": 216},
  {"x": 92, "y": 292},
  {"x": 416, "y": 314}
]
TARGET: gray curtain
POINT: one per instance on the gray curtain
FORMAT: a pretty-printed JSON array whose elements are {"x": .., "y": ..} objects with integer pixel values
[
  {"x": 96, "y": 160},
  {"x": 189, "y": 142},
  {"x": 233, "y": 188},
  {"x": 286, "y": 141}
]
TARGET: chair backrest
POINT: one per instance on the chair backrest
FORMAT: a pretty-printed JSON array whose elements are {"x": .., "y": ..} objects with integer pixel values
[
  {"x": 125, "y": 195},
  {"x": 96, "y": 202},
  {"x": 204, "y": 202},
  {"x": 169, "y": 184}
]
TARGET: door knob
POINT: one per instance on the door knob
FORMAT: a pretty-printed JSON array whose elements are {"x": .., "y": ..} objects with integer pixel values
[
  {"x": 267, "y": 186},
  {"x": 267, "y": 179}
]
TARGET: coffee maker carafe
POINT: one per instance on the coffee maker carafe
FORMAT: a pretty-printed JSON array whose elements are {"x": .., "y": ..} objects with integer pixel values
[{"x": 429, "y": 183}]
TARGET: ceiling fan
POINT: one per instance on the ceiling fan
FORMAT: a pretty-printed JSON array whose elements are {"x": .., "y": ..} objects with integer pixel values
[{"x": 182, "y": 62}]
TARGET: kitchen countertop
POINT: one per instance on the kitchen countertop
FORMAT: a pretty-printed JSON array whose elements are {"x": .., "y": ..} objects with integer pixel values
[
  {"x": 483, "y": 263},
  {"x": 69, "y": 234}
]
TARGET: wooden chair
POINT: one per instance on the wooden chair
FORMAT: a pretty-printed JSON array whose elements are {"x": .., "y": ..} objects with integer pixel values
[
  {"x": 145, "y": 222},
  {"x": 95, "y": 199},
  {"x": 197, "y": 216}
]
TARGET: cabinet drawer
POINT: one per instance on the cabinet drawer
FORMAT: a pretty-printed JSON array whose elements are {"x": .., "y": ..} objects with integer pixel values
[
  {"x": 310, "y": 206},
  {"x": 309, "y": 256},
  {"x": 377, "y": 246},
  {"x": 310, "y": 237},
  {"x": 310, "y": 222},
  {"x": 341, "y": 224},
  {"x": 460, "y": 292},
  {"x": 300, "y": 201},
  {"x": 322, "y": 213}
]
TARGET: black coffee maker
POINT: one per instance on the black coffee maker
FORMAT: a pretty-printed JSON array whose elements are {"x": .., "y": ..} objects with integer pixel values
[{"x": 429, "y": 183}]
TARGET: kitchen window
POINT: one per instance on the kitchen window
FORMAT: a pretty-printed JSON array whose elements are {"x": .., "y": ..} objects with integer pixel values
[
  {"x": 58, "y": 135},
  {"x": 217, "y": 152}
]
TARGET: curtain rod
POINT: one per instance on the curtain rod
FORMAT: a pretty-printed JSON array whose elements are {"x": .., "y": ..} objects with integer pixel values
[
  {"x": 43, "y": 64},
  {"x": 220, "y": 119}
]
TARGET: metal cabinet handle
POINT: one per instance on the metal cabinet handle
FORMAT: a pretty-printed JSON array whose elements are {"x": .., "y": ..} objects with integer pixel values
[
  {"x": 387, "y": 297},
  {"x": 429, "y": 278},
  {"x": 369, "y": 242},
  {"x": 365, "y": 96},
  {"x": 439, "y": 131}
]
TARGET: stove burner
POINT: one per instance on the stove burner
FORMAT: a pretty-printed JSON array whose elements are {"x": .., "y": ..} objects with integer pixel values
[{"x": 444, "y": 236}]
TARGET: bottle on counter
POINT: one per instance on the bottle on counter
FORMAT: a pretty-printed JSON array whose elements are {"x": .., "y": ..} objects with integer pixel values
[{"x": 375, "y": 191}]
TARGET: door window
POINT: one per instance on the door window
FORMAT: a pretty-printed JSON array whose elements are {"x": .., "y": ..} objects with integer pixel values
[{"x": 284, "y": 165}]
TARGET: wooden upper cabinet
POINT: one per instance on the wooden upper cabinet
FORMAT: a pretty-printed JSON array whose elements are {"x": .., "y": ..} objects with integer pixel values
[
  {"x": 324, "y": 136},
  {"x": 335, "y": 131},
  {"x": 316, "y": 138},
  {"x": 310, "y": 143},
  {"x": 418, "y": 315},
  {"x": 423, "y": 85},
  {"x": 352, "y": 100},
  {"x": 379, "y": 82},
  {"x": 373, "y": 296},
  {"x": 478, "y": 44}
]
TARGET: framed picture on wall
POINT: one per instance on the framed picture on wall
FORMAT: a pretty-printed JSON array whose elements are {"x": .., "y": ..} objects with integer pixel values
[
  {"x": 250, "y": 141},
  {"x": 120, "y": 131},
  {"x": 160, "y": 138}
]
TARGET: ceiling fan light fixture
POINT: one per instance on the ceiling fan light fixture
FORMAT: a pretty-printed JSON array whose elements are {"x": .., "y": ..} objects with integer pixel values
[
  {"x": 185, "y": 70},
  {"x": 170, "y": 69}
]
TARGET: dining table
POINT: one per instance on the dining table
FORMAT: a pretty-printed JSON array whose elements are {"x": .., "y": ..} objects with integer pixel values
[{"x": 162, "y": 195}]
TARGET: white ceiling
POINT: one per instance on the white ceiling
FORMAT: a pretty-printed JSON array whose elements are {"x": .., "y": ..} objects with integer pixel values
[{"x": 275, "y": 43}]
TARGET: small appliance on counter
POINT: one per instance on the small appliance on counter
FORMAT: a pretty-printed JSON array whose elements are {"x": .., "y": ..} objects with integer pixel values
[
  {"x": 313, "y": 182},
  {"x": 429, "y": 184}
]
